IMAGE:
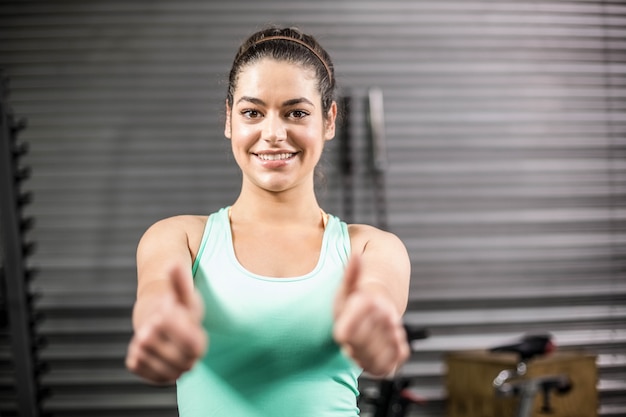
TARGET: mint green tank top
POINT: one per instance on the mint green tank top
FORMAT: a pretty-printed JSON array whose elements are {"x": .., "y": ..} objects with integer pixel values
[{"x": 271, "y": 351}]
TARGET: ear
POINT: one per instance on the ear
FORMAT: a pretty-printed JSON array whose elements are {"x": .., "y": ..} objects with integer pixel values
[
  {"x": 227, "y": 122},
  {"x": 329, "y": 122}
]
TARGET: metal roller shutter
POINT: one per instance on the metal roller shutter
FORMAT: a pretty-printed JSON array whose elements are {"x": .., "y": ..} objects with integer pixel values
[{"x": 505, "y": 136}]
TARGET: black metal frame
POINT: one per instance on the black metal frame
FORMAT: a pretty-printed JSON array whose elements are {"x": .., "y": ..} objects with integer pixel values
[
  {"x": 346, "y": 163},
  {"x": 15, "y": 272}
]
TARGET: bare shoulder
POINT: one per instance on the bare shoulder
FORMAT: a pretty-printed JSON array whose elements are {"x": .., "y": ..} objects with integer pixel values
[
  {"x": 183, "y": 228},
  {"x": 187, "y": 224},
  {"x": 364, "y": 235}
]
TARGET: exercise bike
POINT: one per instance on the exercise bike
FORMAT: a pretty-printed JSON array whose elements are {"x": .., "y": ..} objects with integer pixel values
[
  {"x": 514, "y": 383},
  {"x": 393, "y": 398}
]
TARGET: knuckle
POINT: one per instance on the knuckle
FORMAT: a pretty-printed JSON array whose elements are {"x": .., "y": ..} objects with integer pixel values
[
  {"x": 405, "y": 352},
  {"x": 373, "y": 305},
  {"x": 134, "y": 355},
  {"x": 144, "y": 338},
  {"x": 131, "y": 363},
  {"x": 159, "y": 319}
]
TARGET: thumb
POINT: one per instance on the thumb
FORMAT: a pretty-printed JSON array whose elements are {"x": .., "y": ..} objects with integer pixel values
[
  {"x": 182, "y": 286},
  {"x": 350, "y": 282}
]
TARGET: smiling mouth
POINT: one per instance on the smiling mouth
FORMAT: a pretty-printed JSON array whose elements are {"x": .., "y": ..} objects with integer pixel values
[{"x": 275, "y": 157}]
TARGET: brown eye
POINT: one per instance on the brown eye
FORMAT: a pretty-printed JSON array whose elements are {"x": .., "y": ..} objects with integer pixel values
[
  {"x": 298, "y": 114},
  {"x": 250, "y": 113}
]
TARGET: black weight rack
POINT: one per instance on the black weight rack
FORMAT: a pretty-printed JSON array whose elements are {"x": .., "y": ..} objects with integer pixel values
[{"x": 20, "y": 392}]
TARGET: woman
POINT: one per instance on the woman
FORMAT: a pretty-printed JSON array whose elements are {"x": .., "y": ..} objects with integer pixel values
[{"x": 290, "y": 304}]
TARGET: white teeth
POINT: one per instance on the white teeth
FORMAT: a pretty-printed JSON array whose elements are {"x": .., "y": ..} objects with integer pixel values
[{"x": 275, "y": 157}]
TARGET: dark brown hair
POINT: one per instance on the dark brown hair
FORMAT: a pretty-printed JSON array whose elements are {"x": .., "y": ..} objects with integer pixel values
[{"x": 290, "y": 45}]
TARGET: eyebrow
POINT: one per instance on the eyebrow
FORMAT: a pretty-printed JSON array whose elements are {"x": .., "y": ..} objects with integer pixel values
[{"x": 287, "y": 103}]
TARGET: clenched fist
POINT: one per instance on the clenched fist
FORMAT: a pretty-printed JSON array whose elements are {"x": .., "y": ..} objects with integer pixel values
[
  {"x": 368, "y": 326},
  {"x": 171, "y": 338}
]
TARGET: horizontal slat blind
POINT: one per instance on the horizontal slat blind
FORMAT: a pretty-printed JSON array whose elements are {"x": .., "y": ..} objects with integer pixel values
[{"x": 505, "y": 125}]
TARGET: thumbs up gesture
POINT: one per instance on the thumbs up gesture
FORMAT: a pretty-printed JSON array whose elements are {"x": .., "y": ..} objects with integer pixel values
[
  {"x": 368, "y": 325},
  {"x": 170, "y": 338}
]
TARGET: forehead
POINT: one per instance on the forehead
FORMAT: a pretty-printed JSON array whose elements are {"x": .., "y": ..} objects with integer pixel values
[{"x": 276, "y": 77}]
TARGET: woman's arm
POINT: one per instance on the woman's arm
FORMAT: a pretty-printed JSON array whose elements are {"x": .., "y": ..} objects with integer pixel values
[
  {"x": 372, "y": 300},
  {"x": 168, "y": 336}
]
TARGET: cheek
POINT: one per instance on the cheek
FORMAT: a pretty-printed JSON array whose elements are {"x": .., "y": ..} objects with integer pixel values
[{"x": 242, "y": 133}]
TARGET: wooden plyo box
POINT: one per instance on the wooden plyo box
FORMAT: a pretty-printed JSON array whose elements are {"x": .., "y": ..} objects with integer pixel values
[{"x": 470, "y": 375}]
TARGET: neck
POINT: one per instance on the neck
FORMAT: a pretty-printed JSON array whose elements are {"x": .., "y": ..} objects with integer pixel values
[{"x": 286, "y": 207}]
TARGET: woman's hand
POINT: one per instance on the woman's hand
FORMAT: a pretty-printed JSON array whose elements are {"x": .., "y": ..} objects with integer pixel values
[
  {"x": 368, "y": 326},
  {"x": 171, "y": 338}
]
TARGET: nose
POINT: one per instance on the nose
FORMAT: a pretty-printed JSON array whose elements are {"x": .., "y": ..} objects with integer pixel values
[{"x": 274, "y": 129}]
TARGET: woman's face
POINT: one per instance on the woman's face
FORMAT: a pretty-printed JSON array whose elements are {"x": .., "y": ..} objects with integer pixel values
[{"x": 277, "y": 126}]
